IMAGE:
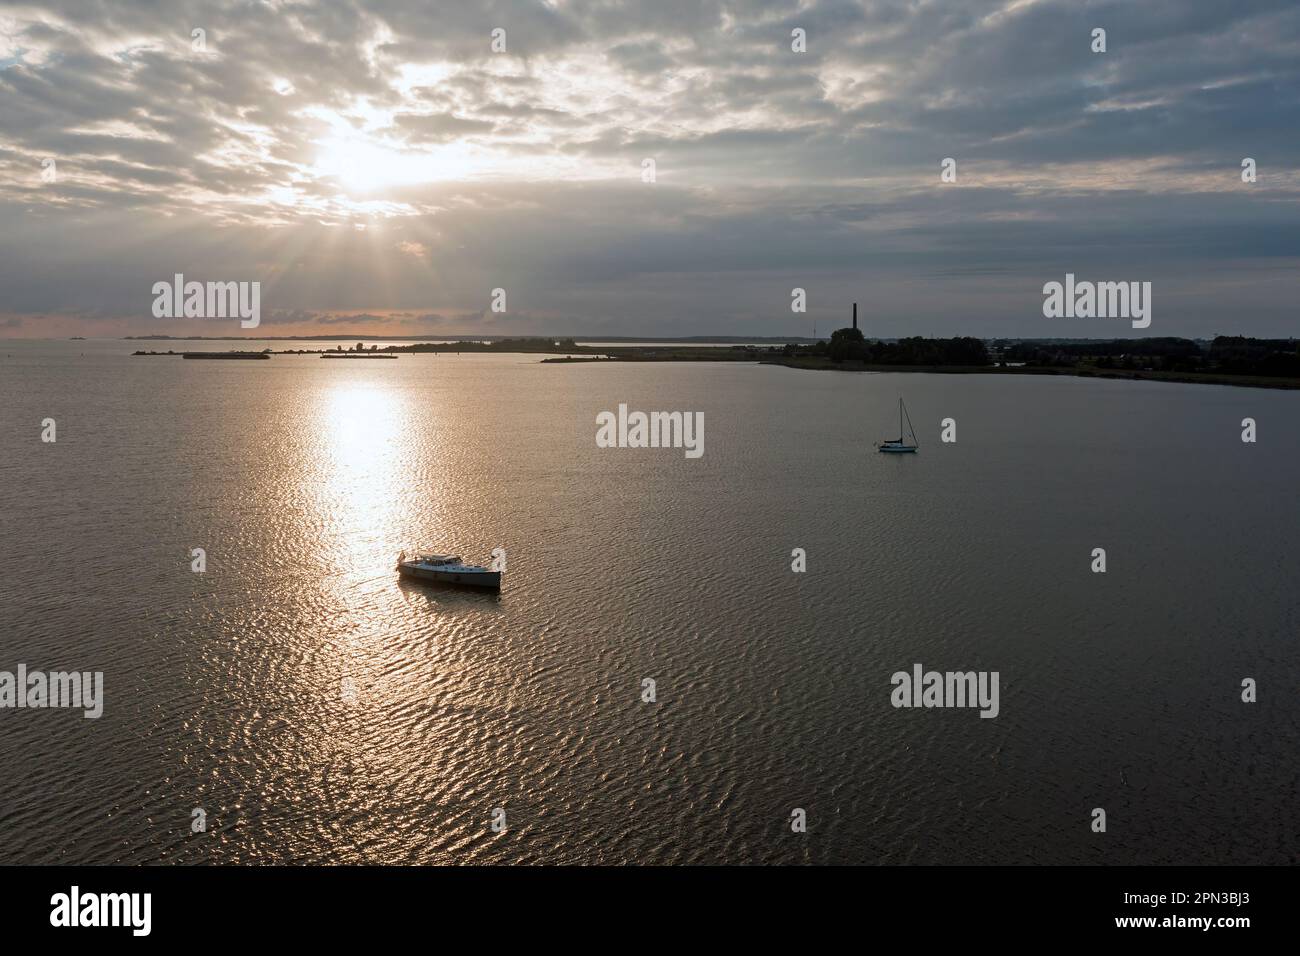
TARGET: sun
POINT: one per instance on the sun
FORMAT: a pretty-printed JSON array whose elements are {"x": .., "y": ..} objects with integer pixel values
[
  {"x": 362, "y": 163},
  {"x": 365, "y": 162}
]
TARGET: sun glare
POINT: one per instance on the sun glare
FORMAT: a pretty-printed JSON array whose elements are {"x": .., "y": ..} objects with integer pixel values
[
  {"x": 360, "y": 163},
  {"x": 366, "y": 162}
]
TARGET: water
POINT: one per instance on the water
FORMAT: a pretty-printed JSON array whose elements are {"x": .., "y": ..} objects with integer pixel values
[{"x": 301, "y": 479}]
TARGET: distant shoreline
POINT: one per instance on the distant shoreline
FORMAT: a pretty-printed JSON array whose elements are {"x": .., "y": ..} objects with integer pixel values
[
  {"x": 482, "y": 337},
  {"x": 569, "y": 352},
  {"x": 808, "y": 363},
  {"x": 1186, "y": 378}
]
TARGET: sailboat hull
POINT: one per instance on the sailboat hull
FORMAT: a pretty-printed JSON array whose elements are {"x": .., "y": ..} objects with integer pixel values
[{"x": 896, "y": 446}]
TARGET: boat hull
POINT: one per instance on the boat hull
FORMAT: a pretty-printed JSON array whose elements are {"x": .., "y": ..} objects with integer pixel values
[
  {"x": 463, "y": 578},
  {"x": 897, "y": 450}
]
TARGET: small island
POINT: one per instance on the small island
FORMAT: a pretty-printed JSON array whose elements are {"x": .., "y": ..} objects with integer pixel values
[
  {"x": 225, "y": 355},
  {"x": 359, "y": 351}
]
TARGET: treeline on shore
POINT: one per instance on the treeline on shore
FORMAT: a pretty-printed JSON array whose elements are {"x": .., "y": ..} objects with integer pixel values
[
  {"x": 1226, "y": 354},
  {"x": 848, "y": 345}
]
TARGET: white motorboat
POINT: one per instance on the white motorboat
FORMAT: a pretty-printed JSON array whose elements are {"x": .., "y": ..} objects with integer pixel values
[{"x": 447, "y": 569}]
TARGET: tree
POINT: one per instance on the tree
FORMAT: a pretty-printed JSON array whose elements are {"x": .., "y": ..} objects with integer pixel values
[{"x": 847, "y": 344}]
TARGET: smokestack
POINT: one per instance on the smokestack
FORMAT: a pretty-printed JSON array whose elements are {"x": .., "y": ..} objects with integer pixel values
[{"x": 855, "y": 315}]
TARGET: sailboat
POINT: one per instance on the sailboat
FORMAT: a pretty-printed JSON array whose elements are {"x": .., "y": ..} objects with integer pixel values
[{"x": 897, "y": 445}]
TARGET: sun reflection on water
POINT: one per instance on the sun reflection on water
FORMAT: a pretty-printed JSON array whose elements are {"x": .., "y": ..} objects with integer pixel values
[
  {"x": 361, "y": 460},
  {"x": 383, "y": 671}
]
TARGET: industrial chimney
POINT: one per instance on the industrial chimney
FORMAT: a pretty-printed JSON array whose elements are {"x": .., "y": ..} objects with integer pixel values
[{"x": 855, "y": 315}]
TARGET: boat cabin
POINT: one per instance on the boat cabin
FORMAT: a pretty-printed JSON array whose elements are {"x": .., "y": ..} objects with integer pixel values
[{"x": 434, "y": 560}]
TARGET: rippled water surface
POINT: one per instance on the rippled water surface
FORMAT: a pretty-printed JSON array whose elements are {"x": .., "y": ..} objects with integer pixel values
[{"x": 302, "y": 479}]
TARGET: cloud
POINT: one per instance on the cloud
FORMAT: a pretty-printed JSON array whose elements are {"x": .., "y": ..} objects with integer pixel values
[
  {"x": 438, "y": 127},
  {"x": 372, "y": 162}
]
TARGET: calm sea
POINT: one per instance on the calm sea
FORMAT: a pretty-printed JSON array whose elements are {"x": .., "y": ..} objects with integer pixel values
[{"x": 317, "y": 709}]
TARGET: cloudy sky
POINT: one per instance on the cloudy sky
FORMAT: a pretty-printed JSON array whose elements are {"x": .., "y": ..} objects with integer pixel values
[{"x": 380, "y": 169}]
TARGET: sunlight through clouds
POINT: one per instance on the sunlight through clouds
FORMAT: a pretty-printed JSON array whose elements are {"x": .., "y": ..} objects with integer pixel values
[{"x": 289, "y": 123}]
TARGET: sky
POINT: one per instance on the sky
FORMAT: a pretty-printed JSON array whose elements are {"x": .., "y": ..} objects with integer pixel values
[{"x": 658, "y": 168}]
